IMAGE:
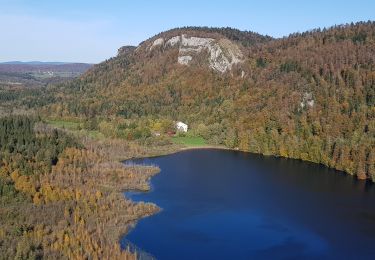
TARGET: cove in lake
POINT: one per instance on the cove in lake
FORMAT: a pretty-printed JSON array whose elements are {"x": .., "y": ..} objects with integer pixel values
[{"x": 220, "y": 204}]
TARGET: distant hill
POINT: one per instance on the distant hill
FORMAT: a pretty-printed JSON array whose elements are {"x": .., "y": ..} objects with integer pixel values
[
  {"x": 35, "y": 62},
  {"x": 78, "y": 68},
  {"x": 36, "y": 73},
  {"x": 309, "y": 96}
]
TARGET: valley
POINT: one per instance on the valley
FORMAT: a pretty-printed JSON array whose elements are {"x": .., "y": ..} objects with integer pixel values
[
  {"x": 37, "y": 74},
  {"x": 65, "y": 128}
]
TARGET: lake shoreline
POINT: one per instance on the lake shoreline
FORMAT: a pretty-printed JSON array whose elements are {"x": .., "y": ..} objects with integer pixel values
[
  {"x": 154, "y": 152},
  {"x": 179, "y": 149},
  {"x": 190, "y": 183}
]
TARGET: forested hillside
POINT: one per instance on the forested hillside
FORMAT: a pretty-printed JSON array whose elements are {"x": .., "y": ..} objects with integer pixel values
[{"x": 308, "y": 96}]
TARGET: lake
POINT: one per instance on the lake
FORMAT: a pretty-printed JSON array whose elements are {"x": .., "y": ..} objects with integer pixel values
[{"x": 220, "y": 204}]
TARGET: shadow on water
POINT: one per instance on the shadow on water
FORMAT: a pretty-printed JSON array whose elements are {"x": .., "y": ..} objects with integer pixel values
[{"x": 227, "y": 204}]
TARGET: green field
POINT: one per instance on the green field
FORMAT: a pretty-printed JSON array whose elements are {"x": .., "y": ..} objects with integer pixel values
[{"x": 189, "y": 141}]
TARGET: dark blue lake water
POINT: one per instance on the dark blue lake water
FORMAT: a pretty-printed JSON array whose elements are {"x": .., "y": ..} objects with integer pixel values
[{"x": 221, "y": 204}]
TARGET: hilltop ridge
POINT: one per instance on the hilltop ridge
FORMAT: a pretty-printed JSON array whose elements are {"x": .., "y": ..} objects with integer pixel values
[{"x": 308, "y": 96}]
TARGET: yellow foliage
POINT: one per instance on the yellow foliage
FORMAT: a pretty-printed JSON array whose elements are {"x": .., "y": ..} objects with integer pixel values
[
  {"x": 283, "y": 152},
  {"x": 23, "y": 183},
  {"x": 66, "y": 239},
  {"x": 4, "y": 172},
  {"x": 14, "y": 175},
  {"x": 78, "y": 195},
  {"x": 38, "y": 198},
  {"x": 243, "y": 141},
  {"x": 98, "y": 194}
]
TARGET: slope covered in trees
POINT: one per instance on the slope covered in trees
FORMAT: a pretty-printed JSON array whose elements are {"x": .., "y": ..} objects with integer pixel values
[{"x": 308, "y": 96}]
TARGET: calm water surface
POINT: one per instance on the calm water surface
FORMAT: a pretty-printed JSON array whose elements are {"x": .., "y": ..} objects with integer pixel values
[{"x": 221, "y": 204}]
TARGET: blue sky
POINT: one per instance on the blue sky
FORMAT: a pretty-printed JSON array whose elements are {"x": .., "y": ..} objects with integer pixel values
[{"x": 93, "y": 30}]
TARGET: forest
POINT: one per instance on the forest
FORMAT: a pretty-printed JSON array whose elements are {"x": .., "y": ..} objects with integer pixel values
[
  {"x": 60, "y": 197},
  {"x": 309, "y": 96}
]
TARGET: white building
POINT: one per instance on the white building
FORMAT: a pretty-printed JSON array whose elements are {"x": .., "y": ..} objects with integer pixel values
[{"x": 181, "y": 127}]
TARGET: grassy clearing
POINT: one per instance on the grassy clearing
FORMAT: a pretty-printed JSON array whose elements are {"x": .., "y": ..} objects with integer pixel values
[
  {"x": 70, "y": 125},
  {"x": 189, "y": 141},
  {"x": 75, "y": 128},
  {"x": 94, "y": 134}
]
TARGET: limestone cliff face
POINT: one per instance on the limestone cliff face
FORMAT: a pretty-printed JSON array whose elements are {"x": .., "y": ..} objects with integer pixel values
[{"x": 223, "y": 53}]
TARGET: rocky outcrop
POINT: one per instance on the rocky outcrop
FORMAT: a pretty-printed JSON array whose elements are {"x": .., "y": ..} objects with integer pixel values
[
  {"x": 307, "y": 100},
  {"x": 184, "y": 60},
  {"x": 223, "y": 54},
  {"x": 173, "y": 41},
  {"x": 157, "y": 42}
]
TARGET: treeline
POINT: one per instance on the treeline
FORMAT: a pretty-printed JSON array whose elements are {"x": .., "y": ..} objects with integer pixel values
[{"x": 245, "y": 38}]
